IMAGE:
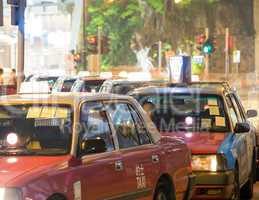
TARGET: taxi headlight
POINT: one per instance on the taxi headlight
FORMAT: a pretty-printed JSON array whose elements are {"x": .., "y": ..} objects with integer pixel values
[
  {"x": 10, "y": 194},
  {"x": 211, "y": 163}
]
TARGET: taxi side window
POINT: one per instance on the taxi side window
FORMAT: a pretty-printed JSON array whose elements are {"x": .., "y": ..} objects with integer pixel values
[
  {"x": 233, "y": 115},
  {"x": 240, "y": 106},
  {"x": 123, "y": 124},
  {"x": 142, "y": 131},
  {"x": 236, "y": 107},
  {"x": 94, "y": 124}
]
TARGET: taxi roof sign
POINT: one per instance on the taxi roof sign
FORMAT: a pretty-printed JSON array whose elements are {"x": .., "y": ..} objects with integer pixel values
[{"x": 35, "y": 87}]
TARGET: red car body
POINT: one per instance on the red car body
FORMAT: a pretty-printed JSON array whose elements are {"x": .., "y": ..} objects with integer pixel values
[
  {"x": 132, "y": 173},
  {"x": 200, "y": 143}
]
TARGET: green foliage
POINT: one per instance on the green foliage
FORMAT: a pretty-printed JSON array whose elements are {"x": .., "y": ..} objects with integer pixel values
[
  {"x": 119, "y": 21},
  {"x": 157, "y": 5}
]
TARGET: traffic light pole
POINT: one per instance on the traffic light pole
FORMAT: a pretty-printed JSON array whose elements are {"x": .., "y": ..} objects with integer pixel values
[
  {"x": 227, "y": 53},
  {"x": 99, "y": 46},
  {"x": 207, "y": 61},
  {"x": 160, "y": 55},
  {"x": 85, "y": 18},
  {"x": 21, "y": 54}
]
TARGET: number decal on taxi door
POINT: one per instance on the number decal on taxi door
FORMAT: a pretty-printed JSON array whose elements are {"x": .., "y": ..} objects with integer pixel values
[
  {"x": 77, "y": 190},
  {"x": 140, "y": 177}
]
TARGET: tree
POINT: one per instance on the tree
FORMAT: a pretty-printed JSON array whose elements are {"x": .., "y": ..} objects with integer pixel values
[
  {"x": 119, "y": 20},
  {"x": 123, "y": 21}
]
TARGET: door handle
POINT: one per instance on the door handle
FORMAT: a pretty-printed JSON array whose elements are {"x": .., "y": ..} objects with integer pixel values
[
  {"x": 118, "y": 166},
  {"x": 155, "y": 159}
]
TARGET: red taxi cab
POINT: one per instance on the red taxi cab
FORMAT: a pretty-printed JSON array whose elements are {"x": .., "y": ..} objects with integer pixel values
[
  {"x": 88, "y": 84},
  {"x": 87, "y": 146}
]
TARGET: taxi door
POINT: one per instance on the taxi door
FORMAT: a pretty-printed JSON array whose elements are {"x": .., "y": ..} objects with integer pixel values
[
  {"x": 249, "y": 140},
  {"x": 243, "y": 144},
  {"x": 101, "y": 173},
  {"x": 141, "y": 160}
]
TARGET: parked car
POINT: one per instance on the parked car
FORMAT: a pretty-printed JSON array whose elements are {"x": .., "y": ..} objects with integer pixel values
[
  {"x": 64, "y": 84},
  {"x": 212, "y": 121},
  {"x": 82, "y": 146},
  {"x": 88, "y": 84},
  {"x": 125, "y": 86}
]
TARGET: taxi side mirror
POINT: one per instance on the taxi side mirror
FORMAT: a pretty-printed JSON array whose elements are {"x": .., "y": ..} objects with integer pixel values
[
  {"x": 242, "y": 128},
  {"x": 92, "y": 146},
  {"x": 251, "y": 113}
]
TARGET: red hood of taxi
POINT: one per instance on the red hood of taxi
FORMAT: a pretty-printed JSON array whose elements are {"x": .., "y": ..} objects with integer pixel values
[
  {"x": 200, "y": 143},
  {"x": 13, "y": 169}
]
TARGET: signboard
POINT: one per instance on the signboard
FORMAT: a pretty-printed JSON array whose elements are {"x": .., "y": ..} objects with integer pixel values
[
  {"x": 175, "y": 67},
  {"x": 198, "y": 65},
  {"x": 180, "y": 68},
  {"x": 198, "y": 60},
  {"x": 236, "y": 56}
]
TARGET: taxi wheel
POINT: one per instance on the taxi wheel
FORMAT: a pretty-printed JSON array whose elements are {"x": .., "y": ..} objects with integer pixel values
[
  {"x": 163, "y": 192},
  {"x": 236, "y": 192}
]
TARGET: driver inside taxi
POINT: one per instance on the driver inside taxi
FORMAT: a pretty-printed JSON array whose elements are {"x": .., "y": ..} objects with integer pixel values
[{"x": 149, "y": 108}]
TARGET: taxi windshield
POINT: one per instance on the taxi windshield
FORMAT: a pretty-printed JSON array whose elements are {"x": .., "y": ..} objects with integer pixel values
[
  {"x": 87, "y": 85},
  {"x": 63, "y": 85},
  {"x": 35, "y": 130},
  {"x": 186, "y": 112}
]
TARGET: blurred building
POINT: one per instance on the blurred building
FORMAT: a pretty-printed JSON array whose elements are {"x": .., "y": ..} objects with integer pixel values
[
  {"x": 47, "y": 37},
  {"x": 8, "y": 42}
]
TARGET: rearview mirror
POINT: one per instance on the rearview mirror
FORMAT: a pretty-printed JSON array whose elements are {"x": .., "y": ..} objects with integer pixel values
[
  {"x": 251, "y": 113},
  {"x": 92, "y": 146},
  {"x": 242, "y": 128}
]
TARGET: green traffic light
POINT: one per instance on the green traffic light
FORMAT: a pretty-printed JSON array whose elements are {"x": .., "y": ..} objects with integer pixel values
[{"x": 208, "y": 47}]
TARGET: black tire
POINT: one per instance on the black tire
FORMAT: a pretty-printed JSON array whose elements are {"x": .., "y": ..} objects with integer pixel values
[
  {"x": 257, "y": 172},
  {"x": 236, "y": 192},
  {"x": 247, "y": 190},
  {"x": 163, "y": 192},
  {"x": 56, "y": 197}
]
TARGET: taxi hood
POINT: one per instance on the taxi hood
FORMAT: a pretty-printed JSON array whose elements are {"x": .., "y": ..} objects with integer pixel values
[
  {"x": 200, "y": 143},
  {"x": 17, "y": 170}
]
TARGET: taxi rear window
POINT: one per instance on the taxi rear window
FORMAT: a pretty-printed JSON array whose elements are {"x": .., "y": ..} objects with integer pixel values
[{"x": 186, "y": 112}]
